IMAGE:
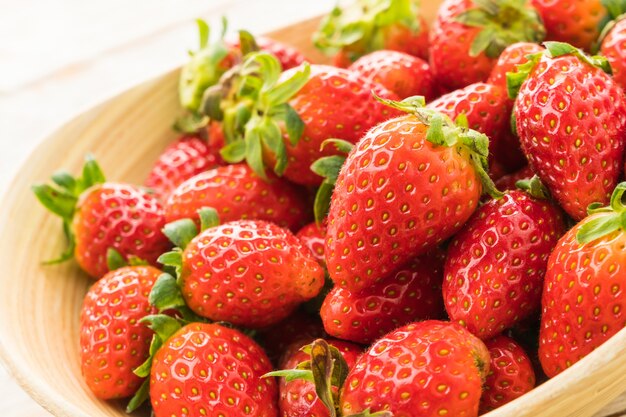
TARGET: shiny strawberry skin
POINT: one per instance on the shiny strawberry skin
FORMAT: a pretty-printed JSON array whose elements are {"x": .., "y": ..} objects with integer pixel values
[
  {"x": 334, "y": 103},
  {"x": 495, "y": 266},
  {"x": 584, "y": 300},
  {"x": 507, "y": 182},
  {"x": 404, "y": 74},
  {"x": 614, "y": 49},
  {"x": 397, "y": 196},
  {"x": 211, "y": 370},
  {"x": 112, "y": 341},
  {"x": 511, "y": 374},
  {"x": 249, "y": 273},
  {"x": 298, "y": 398},
  {"x": 181, "y": 160},
  {"x": 431, "y": 368},
  {"x": 512, "y": 56},
  {"x": 413, "y": 293},
  {"x": 312, "y": 236},
  {"x": 571, "y": 120},
  {"x": 119, "y": 216},
  {"x": 576, "y": 22},
  {"x": 236, "y": 192}
]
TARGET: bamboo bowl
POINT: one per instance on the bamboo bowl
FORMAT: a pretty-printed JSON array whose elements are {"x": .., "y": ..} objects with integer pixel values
[{"x": 39, "y": 305}]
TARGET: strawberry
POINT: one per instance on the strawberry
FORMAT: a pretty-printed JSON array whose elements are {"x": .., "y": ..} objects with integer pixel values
[
  {"x": 510, "y": 376},
  {"x": 371, "y": 25},
  {"x": 312, "y": 236},
  {"x": 508, "y": 182},
  {"x": 467, "y": 37},
  {"x": 613, "y": 47},
  {"x": 99, "y": 216},
  {"x": 571, "y": 121},
  {"x": 583, "y": 298},
  {"x": 404, "y": 74},
  {"x": 112, "y": 340},
  {"x": 410, "y": 294},
  {"x": 211, "y": 370},
  {"x": 495, "y": 266},
  {"x": 236, "y": 192},
  {"x": 431, "y": 368},
  {"x": 288, "y": 56},
  {"x": 512, "y": 56},
  {"x": 408, "y": 185}
]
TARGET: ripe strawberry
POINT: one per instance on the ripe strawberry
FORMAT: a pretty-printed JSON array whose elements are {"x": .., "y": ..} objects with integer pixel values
[
  {"x": 288, "y": 56},
  {"x": 583, "y": 298},
  {"x": 366, "y": 26},
  {"x": 236, "y": 192},
  {"x": 401, "y": 191},
  {"x": 112, "y": 341},
  {"x": 508, "y": 182},
  {"x": 512, "y": 56},
  {"x": 413, "y": 293},
  {"x": 467, "y": 37},
  {"x": 98, "y": 216},
  {"x": 613, "y": 47},
  {"x": 401, "y": 73},
  {"x": 571, "y": 120},
  {"x": 511, "y": 374},
  {"x": 495, "y": 266},
  {"x": 211, "y": 370},
  {"x": 431, "y": 368},
  {"x": 312, "y": 236},
  {"x": 249, "y": 273}
]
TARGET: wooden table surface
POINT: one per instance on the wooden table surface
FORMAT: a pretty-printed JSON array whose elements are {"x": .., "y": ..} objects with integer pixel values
[{"x": 59, "y": 57}]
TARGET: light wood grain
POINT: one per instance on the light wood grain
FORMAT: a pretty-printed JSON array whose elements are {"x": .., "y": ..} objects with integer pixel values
[{"x": 39, "y": 342}]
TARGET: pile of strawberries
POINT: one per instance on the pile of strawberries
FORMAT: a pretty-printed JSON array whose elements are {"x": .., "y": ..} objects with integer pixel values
[{"x": 426, "y": 228}]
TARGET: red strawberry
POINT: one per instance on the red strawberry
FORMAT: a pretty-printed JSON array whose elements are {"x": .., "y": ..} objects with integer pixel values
[
  {"x": 249, "y": 273},
  {"x": 236, "y": 192},
  {"x": 288, "y": 56},
  {"x": 571, "y": 120},
  {"x": 583, "y": 298},
  {"x": 211, "y": 370},
  {"x": 512, "y": 56},
  {"x": 401, "y": 73},
  {"x": 468, "y": 37},
  {"x": 98, "y": 216},
  {"x": 399, "y": 194},
  {"x": 366, "y": 26},
  {"x": 508, "y": 182},
  {"x": 511, "y": 374},
  {"x": 313, "y": 236},
  {"x": 431, "y": 368},
  {"x": 495, "y": 266},
  {"x": 613, "y": 47},
  {"x": 411, "y": 294},
  {"x": 112, "y": 341}
]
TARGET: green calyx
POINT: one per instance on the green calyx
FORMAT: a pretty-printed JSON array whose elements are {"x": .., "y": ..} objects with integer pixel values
[
  {"x": 61, "y": 198},
  {"x": 443, "y": 131},
  {"x": 613, "y": 220},
  {"x": 502, "y": 23},
  {"x": 116, "y": 260},
  {"x": 328, "y": 167},
  {"x": 360, "y": 28},
  {"x": 534, "y": 187}
]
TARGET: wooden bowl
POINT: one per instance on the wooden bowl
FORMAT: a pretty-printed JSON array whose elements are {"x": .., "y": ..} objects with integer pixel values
[{"x": 39, "y": 305}]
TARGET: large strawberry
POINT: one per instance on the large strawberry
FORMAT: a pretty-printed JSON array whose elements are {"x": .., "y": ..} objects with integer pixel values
[
  {"x": 112, "y": 340},
  {"x": 510, "y": 376},
  {"x": 431, "y": 368},
  {"x": 412, "y": 293},
  {"x": 404, "y": 74},
  {"x": 571, "y": 121},
  {"x": 236, "y": 192},
  {"x": 211, "y": 370},
  {"x": 583, "y": 298},
  {"x": 509, "y": 60},
  {"x": 370, "y": 25},
  {"x": 613, "y": 47},
  {"x": 409, "y": 184},
  {"x": 99, "y": 216},
  {"x": 468, "y": 36},
  {"x": 495, "y": 266}
]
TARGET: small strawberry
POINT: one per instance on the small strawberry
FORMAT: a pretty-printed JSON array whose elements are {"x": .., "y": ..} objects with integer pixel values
[
  {"x": 613, "y": 47},
  {"x": 401, "y": 73},
  {"x": 431, "y": 368},
  {"x": 583, "y": 298},
  {"x": 211, "y": 370},
  {"x": 571, "y": 121},
  {"x": 99, "y": 216},
  {"x": 467, "y": 37},
  {"x": 313, "y": 236},
  {"x": 508, "y": 182},
  {"x": 495, "y": 266},
  {"x": 408, "y": 185},
  {"x": 236, "y": 192},
  {"x": 509, "y": 60},
  {"x": 412, "y": 293},
  {"x": 112, "y": 340},
  {"x": 288, "y": 56},
  {"x": 510, "y": 376},
  {"x": 371, "y": 25}
]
